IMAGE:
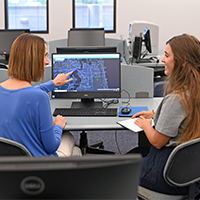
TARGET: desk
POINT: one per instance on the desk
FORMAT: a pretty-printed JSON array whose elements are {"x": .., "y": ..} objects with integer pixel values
[{"x": 101, "y": 123}]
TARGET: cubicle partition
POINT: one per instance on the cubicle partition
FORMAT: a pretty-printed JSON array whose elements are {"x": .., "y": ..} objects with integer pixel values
[
  {"x": 137, "y": 81},
  {"x": 3, "y": 75}
]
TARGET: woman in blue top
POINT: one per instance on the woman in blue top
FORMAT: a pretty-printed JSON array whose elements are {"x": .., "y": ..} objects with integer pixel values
[
  {"x": 25, "y": 114},
  {"x": 177, "y": 118}
]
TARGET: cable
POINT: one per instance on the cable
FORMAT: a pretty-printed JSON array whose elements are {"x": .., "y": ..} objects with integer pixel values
[
  {"x": 117, "y": 143},
  {"x": 108, "y": 102},
  {"x": 128, "y": 101}
]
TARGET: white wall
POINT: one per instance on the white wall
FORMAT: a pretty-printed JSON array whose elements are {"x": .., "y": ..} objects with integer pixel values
[{"x": 173, "y": 17}]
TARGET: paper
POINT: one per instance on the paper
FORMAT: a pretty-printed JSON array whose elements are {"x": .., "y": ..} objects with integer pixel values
[{"x": 129, "y": 124}]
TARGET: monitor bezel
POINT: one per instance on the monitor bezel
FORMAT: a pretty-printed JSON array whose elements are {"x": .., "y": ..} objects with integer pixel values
[
  {"x": 86, "y": 49},
  {"x": 147, "y": 39},
  {"x": 87, "y": 95},
  {"x": 137, "y": 46},
  {"x": 21, "y": 31},
  {"x": 87, "y": 32},
  {"x": 39, "y": 177}
]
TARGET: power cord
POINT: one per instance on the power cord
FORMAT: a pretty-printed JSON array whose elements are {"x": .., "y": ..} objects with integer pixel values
[
  {"x": 117, "y": 144},
  {"x": 128, "y": 101},
  {"x": 108, "y": 102}
]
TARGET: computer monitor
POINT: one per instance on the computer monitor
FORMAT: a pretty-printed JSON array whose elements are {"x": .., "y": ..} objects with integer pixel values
[
  {"x": 6, "y": 39},
  {"x": 87, "y": 177},
  {"x": 94, "y": 76},
  {"x": 137, "y": 46},
  {"x": 147, "y": 40},
  {"x": 86, "y": 37},
  {"x": 86, "y": 49},
  {"x": 138, "y": 53},
  {"x": 136, "y": 27}
]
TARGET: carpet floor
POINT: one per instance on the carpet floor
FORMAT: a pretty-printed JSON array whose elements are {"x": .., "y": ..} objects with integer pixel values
[{"x": 119, "y": 141}]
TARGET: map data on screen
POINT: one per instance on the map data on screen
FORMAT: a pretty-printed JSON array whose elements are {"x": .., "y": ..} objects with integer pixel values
[{"x": 91, "y": 72}]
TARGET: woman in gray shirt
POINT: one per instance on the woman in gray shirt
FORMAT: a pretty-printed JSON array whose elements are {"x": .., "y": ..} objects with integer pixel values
[{"x": 177, "y": 118}]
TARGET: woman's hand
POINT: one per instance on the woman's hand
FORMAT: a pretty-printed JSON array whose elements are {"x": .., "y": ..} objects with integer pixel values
[
  {"x": 142, "y": 122},
  {"x": 59, "y": 120},
  {"x": 61, "y": 79},
  {"x": 145, "y": 114}
]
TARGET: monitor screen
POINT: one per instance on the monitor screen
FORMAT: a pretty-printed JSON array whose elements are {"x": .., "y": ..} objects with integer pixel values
[
  {"x": 94, "y": 76},
  {"x": 7, "y": 37},
  {"x": 86, "y": 37},
  {"x": 87, "y": 177},
  {"x": 137, "y": 45},
  {"x": 147, "y": 40},
  {"x": 86, "y": 49},
  {"x": 137, "y": 51}
]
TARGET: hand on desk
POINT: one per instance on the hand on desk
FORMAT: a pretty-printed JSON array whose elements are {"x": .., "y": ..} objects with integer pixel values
[
  {"x": 143, "y": 122},
  {"x": 145, "y": 114},
  {"x": 59, "y": 120},
  {"x": 144, "y": 118}
]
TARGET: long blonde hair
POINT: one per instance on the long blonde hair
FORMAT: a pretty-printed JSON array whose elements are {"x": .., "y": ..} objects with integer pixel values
[{"x": 185, "y": 81}]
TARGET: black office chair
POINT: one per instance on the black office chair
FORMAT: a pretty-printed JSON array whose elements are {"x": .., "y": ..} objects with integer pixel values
[
  {"x": 182, "y": 169},
  {"x": 94, "y": 148},
  {"x": 159, "y": 88},
  {"x": 3, "y": 66},
  {"x": 11, "y": 148}
]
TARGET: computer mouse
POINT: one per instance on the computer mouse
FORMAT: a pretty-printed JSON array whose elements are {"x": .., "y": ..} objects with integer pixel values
[{"x": 126, "y": 110}]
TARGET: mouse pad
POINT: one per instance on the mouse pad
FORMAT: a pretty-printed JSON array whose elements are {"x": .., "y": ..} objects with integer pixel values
[{"x": 133, "y": 110}]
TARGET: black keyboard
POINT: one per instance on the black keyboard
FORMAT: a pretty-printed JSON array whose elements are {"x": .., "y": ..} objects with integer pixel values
[{"x": 85, "y": 112}]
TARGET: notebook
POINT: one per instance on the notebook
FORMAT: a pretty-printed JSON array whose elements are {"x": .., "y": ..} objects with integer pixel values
[{"x": 129, "y": 124}]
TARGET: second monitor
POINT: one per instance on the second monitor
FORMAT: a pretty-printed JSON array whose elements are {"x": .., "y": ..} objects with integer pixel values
[
  {"x": 94, "y": 76},
  {"x": 86, "y": 37},
  {"x": 86, "y": 49}
]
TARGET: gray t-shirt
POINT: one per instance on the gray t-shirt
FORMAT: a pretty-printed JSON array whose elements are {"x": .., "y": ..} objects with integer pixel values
[{"x": 169, "y": 118}]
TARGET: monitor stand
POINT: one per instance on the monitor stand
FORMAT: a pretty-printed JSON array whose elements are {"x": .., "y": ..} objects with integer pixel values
[{"x": 87, "y": 103}]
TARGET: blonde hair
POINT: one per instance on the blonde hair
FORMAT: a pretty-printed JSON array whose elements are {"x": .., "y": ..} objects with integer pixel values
[
  {"x": 26, "y": 61},
  {"x": 185, "y": 81}
]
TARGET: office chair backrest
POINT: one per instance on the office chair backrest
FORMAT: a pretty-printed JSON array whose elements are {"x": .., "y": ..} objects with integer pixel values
[
  {"x": 159, "y": 88},
  {"x": 3, "y": 66},
  {"x": 11, "y": 148},
  {"x": 183, "y": 165}
]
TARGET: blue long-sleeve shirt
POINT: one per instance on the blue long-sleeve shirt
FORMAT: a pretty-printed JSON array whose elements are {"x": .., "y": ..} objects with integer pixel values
[{"x": 25, "y": 117}]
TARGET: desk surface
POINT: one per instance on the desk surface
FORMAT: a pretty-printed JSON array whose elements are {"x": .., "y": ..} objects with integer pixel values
[
  {"x": 158, "y": 67},
  {"x": 101, "y": 123}
]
